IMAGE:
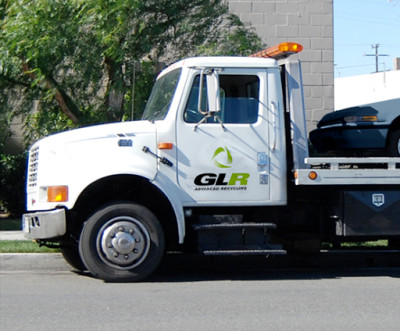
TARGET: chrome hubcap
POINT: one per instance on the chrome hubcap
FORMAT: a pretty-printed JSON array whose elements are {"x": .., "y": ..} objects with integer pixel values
[{"x": 123, "y": 242}]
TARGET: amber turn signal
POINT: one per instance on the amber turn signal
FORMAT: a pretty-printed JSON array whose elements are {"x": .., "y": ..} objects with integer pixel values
[{"x": 57, "y": 193}]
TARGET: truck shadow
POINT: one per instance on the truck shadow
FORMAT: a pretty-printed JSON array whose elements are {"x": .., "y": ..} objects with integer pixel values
[{"x": 192, "y": 268}]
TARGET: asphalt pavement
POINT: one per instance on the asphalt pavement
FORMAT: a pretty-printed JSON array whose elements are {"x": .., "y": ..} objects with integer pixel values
[
  {"x": 208, "y": 299},
  {"x": 33, "y": 262}
]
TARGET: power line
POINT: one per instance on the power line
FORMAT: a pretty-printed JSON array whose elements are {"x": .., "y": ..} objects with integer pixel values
[
  {"x": 387, "y": 22},
  {"x": 357, "y": 66}
]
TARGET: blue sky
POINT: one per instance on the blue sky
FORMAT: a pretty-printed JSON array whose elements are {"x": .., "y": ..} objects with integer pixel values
[{"x": 358, "y": 24}]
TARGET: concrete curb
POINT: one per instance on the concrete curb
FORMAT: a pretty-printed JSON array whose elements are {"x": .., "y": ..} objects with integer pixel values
[
  {"x": 33, "y": 262},
  {"x": 12, "y": 235}
]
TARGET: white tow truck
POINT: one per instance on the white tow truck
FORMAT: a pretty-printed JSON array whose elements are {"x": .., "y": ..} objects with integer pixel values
[{"x": 219, "y": 164}]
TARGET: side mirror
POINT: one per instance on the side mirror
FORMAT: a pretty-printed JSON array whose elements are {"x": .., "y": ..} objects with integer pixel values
[{"x": 213, "y": 95}]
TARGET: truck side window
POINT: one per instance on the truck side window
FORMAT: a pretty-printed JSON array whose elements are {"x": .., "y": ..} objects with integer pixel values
[{"x": 239, "y": 100}]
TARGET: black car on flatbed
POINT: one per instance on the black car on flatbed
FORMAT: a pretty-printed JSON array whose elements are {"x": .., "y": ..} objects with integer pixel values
[{"x": 371, "y": 129}]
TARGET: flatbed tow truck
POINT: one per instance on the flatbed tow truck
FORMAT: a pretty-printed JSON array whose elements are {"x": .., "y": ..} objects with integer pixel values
[{"x": 219, "y": 165}]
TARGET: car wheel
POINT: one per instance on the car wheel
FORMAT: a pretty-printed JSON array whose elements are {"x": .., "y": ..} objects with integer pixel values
[
  {"x": 394, "y": 143},
  {"x": 122, "y": 242}
]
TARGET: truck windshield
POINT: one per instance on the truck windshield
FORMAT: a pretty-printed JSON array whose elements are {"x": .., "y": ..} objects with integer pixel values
[{"x": 161, "y": 96}]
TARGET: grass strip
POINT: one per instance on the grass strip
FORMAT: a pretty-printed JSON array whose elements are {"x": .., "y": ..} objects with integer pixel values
[
  {"x": 378, "y": 244},
  {"x": 24, "y": 246}
]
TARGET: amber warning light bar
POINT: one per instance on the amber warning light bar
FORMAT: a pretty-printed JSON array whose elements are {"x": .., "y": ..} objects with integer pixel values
[{"x": 279, "y": 51}]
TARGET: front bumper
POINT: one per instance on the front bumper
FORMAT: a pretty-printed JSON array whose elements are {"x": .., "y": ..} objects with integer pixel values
[{"x": 44, "y": 224}]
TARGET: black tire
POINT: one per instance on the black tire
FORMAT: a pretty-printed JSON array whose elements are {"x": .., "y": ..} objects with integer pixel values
[
  {"x": 72, "y": 257},
  {"x": 122, "y": 242},
  {"x": 394, "y": 143}
]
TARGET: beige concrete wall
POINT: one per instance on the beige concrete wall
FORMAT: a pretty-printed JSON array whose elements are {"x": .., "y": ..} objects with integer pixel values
[{"x": 309, "y": 22}]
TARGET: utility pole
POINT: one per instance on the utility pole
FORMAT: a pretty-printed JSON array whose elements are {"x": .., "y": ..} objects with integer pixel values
[{"x": 377, "y": 55}]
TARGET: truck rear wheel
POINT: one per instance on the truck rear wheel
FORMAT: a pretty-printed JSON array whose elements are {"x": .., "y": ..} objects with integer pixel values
[
  {"x": 122, "y": 242},
  {"x": 394, "y": 143}
]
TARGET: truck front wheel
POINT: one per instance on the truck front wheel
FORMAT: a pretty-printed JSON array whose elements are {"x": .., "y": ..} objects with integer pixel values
[
  {"x": 72, "y": 257},
  {"x": 122, "y": 242}
]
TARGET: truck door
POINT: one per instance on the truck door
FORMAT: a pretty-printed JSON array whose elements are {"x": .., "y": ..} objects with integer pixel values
[{"x": 225, "y": 160}]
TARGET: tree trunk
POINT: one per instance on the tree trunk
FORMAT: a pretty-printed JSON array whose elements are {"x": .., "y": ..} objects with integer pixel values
[{"x": 58, "y": 95}]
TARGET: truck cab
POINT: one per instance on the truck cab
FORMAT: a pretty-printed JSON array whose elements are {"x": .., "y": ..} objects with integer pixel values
[{"x": 232, "y": 154}]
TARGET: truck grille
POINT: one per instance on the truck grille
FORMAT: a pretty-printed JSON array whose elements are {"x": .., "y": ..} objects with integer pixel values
[{"x": 33, "y": 166}]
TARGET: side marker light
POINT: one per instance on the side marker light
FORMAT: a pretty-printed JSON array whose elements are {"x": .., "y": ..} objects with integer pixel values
[
  {"x": 312, "y": 175},
  {"x": 165, "y": 145}
]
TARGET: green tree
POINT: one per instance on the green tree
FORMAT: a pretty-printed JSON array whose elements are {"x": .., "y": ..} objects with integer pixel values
[{"x": 73, "y": 59}]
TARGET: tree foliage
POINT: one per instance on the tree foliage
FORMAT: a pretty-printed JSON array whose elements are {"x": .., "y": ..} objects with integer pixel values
[
  {"x": 69, "y": 63},
  {"x": 12, "y": 183}
]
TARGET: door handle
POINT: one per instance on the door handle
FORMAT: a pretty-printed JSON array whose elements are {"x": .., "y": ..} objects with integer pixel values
[{"x": 274, "y": 110}]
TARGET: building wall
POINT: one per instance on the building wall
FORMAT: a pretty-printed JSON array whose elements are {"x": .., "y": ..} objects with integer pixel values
[
  {"x": 364, "y": 89},
  {"x": 309, "y": 22}
]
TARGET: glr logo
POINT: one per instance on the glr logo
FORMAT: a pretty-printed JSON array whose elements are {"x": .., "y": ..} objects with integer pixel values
[{"x": 222, "y": 157}]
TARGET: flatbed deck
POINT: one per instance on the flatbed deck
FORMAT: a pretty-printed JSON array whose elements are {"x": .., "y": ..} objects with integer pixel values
[{"x": 349, "y": 171}]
